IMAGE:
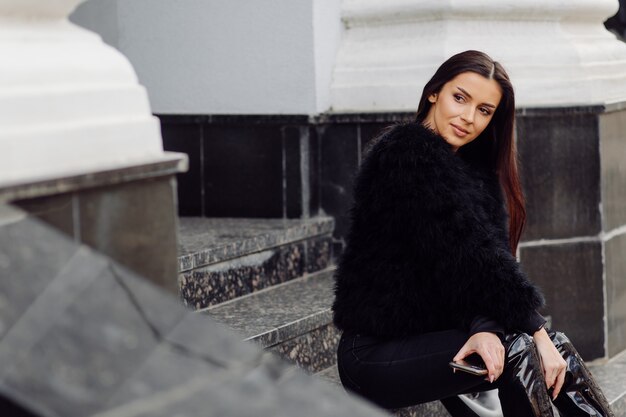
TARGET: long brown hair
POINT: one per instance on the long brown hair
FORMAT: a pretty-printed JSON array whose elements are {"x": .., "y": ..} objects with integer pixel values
[{"x": 494, "y": 148}]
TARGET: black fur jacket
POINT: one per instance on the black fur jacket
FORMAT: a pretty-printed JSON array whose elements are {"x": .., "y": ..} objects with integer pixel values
[{"x": 428, "y": 248}]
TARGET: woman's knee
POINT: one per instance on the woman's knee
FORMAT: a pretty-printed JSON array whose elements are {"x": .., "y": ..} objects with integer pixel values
[
  {"x": 520, "y": 343},
  {"x": 559, "y": 338}
]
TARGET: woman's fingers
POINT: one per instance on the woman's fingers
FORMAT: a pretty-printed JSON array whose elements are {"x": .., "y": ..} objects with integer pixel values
[
  {"x": 463, "y": 353},
  {"x": 498, "y": 354},
  {"x": 493, "y": 356},
  {"x": 490, "y": 364},
  {"x": 552, "y": 371},
  {"x": 555, "y": 375},
  {"x": 560, "y": 379},
  {"x": 553, "y": 364},
  {"x": 490, "y": 349},
  {"x": 550, "y": 377},
  {"x": 492, "y": 352}
]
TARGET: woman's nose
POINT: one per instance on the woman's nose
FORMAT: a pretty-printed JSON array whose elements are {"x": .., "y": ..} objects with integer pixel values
[{"x": 468, "y": 115}]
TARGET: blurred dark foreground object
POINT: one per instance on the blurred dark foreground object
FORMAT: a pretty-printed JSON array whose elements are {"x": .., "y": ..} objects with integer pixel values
[{"x": 82, "y": 336}]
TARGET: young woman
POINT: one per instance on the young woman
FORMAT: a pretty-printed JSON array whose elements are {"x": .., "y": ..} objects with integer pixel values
[{"x": 429, "y": 275}]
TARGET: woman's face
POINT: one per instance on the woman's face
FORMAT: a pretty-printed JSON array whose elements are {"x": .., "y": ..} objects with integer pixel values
[{"x": 463, "y": 108}]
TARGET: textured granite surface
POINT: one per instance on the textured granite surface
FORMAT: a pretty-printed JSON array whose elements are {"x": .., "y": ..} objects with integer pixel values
[
  {"x": 431, "y": 409},
  {"x": 572, "y": 280},
  {"x": 214, "y": 284},
  {"x": 205, "y": 241},
  {"x": 313, "y": 351},
  {"x": 318, "y": 253},
  {"x": 56, "y": 210},
  {"x": 611, "y": 377},
  {"x": 615, "y": 287},
  {"x": 280, "y": 313},
  {"x": 140, "y": 226},
  {"x": 204, "y": 287},
  {"x": 560, "y": 159},
  {"x": 82, "y": 336},
  {"x": 613, "y": 176},
  {"x": 117, "y": 220}
]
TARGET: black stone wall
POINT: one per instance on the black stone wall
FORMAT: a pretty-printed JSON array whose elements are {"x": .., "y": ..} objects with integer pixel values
[
  {"x": 242, "y": 166},
  {"x": 559, "y": 152},
  {"x": 574, "y": 174},
  {"x": 270, "y": 166}
]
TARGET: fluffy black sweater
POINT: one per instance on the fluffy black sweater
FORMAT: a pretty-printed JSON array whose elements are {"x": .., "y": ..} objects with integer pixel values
[{"x": 428, "y": 249}]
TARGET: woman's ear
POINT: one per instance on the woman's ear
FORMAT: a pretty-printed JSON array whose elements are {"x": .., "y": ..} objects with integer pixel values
[{"x": 432, "y": 98}]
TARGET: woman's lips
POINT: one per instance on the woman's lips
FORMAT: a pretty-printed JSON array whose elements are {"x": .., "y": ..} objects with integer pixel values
[{"x": 459, "y": 131}]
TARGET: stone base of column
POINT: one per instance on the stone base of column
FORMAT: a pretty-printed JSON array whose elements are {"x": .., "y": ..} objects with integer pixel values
[
  {"x": 127, "y": 213},
  {"x": 574, "y": 165},
  {"x": 390, "y": 49}
]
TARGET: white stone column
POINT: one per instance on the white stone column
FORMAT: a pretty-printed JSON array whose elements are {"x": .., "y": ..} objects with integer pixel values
[
  {"x": 557, "y": 52},
  {"x": 69, "y": 104},
  {"x": 225, "y": 57}
]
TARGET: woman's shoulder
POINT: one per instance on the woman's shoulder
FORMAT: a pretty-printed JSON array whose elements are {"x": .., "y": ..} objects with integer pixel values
[{"x": 407, "y": 141}]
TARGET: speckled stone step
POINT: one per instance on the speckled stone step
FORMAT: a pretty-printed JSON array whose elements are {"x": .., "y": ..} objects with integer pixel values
[
  {"x": 292, "y": 319},
  {"x": 611, "y": 376},
  {"x": 224, "y": 258}
]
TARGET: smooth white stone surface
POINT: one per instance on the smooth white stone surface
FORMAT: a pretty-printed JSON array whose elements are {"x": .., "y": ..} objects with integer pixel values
[
  {"x": 225, "y": 57},
  {"x": 69, "y": 104},
  {"x": 557, "y": 53},
  {"x": 37, "y": 8}
]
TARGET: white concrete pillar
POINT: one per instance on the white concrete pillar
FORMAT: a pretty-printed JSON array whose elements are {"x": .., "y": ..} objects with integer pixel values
[
  {"x": 557, "y": 52},
  {"x": 69, "y": 104},
  {"x": 225, "y": 57}
]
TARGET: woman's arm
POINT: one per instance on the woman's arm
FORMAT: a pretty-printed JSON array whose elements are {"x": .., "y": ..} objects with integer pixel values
[
  {"x": 553, "y": 364},
  {"x": 485, "y": 324}
]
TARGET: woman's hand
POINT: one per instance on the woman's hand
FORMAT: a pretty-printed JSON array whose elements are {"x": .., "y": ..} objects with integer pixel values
[
  {"x": 554, "y": 365},
  {"x": 489, "y": 347}
]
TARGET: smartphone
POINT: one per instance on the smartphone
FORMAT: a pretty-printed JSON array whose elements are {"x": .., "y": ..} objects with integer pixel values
[{"x": 471, "y": 368}]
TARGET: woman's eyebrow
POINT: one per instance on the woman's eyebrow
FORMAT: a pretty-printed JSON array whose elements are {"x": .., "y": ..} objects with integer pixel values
[{"x": 470, "y": 96}]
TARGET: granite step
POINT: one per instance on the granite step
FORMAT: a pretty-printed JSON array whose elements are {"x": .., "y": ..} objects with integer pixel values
[
  {"x": 292, "y": 319},
  {"x": 611, "y": 376},
  {"x": 224, "y": 258}
]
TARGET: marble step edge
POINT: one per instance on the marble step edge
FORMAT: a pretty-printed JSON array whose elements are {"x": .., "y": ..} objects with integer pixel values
[
  {"x": 281, "y": 312},
  {"x": 217, "y": 283},
  {"x": 169, "y": 163},
  {"x": 610, "y": 375},
  {"x": 287, "y": 231}
]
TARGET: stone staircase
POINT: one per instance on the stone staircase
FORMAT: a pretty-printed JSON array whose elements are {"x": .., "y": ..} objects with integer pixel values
[
  {"x": 222, "y": 259},
  {"x": 271, "y": 280}
]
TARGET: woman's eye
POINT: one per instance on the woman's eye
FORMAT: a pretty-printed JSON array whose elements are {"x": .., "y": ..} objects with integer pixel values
[
  {"x": 485, "y": 111},
  {"x": 459, "y": 98}
]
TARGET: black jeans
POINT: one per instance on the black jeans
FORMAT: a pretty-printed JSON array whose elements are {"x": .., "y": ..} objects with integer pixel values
[{"x": 403, "y": 372}]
